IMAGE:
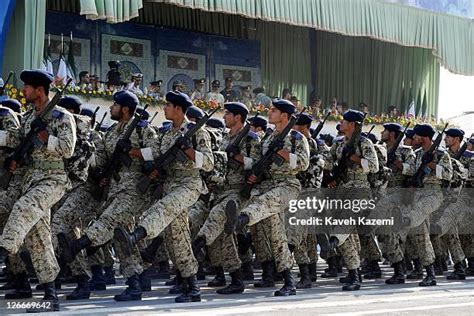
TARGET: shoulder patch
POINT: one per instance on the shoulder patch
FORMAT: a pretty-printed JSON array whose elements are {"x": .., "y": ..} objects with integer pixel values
[
  {"x": 57, "y": 114},
  {"x": 164, "y": 128},
  {"x": 296, "y": 135},
  {"x": 142, "y": 123},
  {"x": 252, "y": 135},
  {"x": 190, "y": 125}
]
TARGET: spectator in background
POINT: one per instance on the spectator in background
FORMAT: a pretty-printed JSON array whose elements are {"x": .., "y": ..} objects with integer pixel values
[
  {"x": 363, "y": 107},
  {"x": 179, "y": 86},
  {"x": 154, "y": 89},
  {"x": 296, "y": 102},
  {"x": 96, "y": 84},
  {"x": 114, "y": 77},
  {"x": 2, "y": 90},
  {"x": 332, "y": 107},
  {"x": 246, "y": 96},
  {"x": 392, "y": 111},
  {"x": 84, "y": 81},
  {"x": 229, "y": 94},
  {"x": 198, "y": 93},
  {"x": 261, "y": 98},
  {"x": 316, "y": 107},
  {"x": 343, "y": 107},
  {"x": 134, "y": 86},
  {"x": 214, "y": 95},
  {"x": 286, "y": 94}
]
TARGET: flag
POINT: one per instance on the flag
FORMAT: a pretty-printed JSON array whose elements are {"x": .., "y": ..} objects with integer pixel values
[
  {"x": 61, "y": 74},
  {"x": 47, "y": 61},
  {"x": 403, "y": 101},
  {"x": 71, "y": 65},
  {"x": 418, "y": 103},
  {"x": 424, "y": 107},
  {"x": 411, "y": 105}
]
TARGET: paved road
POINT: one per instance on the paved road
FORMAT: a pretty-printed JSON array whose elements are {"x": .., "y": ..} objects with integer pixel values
[{"x": 326, "y": 298}]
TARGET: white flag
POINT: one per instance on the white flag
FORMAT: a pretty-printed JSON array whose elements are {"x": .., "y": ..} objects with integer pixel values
[{"x": 62, "y": 73}]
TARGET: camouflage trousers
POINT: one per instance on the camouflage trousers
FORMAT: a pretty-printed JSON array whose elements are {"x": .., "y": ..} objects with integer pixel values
[
  {"x": 350, "y": 251},
  {"x": 467, "y": 244},
  {"x": 418, "y": 244},
  {"x": 426, "y": 201},
  {"x": 261, "y": 242},
  {"x": 29, "y": 222},
  {"x": 78, "y": 208},
  {"x": 369, "y": 248},
  {"x": 448, "y": 242},
  {"x": 172, "y": 211},
  {"x": 123, "y": 206},
  {"x": 268, "y": 208},
  {"x": 391, "y": 246},
  {"x": 198, "y": 214}
]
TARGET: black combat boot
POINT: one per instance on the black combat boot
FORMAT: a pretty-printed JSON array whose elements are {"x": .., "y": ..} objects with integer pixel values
[
  {"x": 417, "y": 273},
  {"x": 398, "y": 276},
  {"x": 22, "y": 288},
  {"x": 177, "y": 287},
  {"x": 374, "y": 270},
  {"x": 438, "y": 266},
  {"x": 408, "y": 265},
  {"x": 70, "y": 248},
  {"x": 97, "y": 282},
  {"x": 430, "y": 279},
  {"x": 109, "y": 275},
  {"x": 219, "y": 279},
  {"x": 313, "y": 271},
  {"x": 331, "y": 271},
  {"x": 289, "y": 287},
  {"x": 82, "y": 291},
  {"x": 191, "y": 291},
  {"x": 353, "y": 281},
  {"x": 305, "y": 277},
  {"x": 145, "y": 281},
  {"x": 470, "y": 266},
  {"x": 200, "y": 274},
  {"x": 236, "y": 286},
  {"x": 247, "y": 271},
  {"x": 459, "y": 272},
  {"x": 163, "y": 270},
  {"x": 10, "y": 278},
  {"x": 267, "y": 275},
  {"x": 128, "y": 240},
  {"x": 149, "y": 253},
  {"x": 50, "y": 297},
  {"x": 133, "y": 292}
]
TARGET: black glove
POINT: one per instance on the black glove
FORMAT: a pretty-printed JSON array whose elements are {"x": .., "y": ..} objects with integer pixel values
[
  {"x": 333, "y": 242},
  {"x": 38, "y": 125},
  {"x": 124, "y": 146},
  {"x": 184, "y": 143}
]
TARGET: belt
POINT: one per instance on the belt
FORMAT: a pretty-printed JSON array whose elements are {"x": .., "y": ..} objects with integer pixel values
[{"x": 48, "y": 165}]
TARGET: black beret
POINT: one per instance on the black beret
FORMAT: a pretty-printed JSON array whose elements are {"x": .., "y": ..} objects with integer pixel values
[
  {"x": 259, "y": 122},
  {"x": 87, "y": 112},
  {"x": 216, "y": 83},
  {"x": 410, "y": 133},
  {"x": 36, "y": 78},
  {"x": 127, "y": 99},
  {"x": 424, "y": 130},
  {"x": 114, "y": 64},
  {"x": 194, "y": 112},
  {"x": 145, "y": 115},
  {"x": 215, "y": 123},
  {"x": 393, "y": 127},
  {"x": 236, "y": 108},
  {"x": 12, "y": 104},
  {"x": 179, "y": 99},
  {"x": 71, "y": 103},
  {"x": 284, "y": 106},
  {"x": 353, "y": 116},
  {"x": 455, "y": 132},
  {"x": 304, "y": 119},
  {"x": 156, "y": 83}
]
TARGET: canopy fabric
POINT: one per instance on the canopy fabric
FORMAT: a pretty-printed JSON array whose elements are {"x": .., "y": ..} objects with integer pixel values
[
  {"x": 450, "y": 38},
  {"x": 113, "y": 11}
]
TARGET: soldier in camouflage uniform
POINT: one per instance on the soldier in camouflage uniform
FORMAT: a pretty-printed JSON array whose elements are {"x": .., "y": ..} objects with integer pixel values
[
  {"x": 362, "y": 162},
  {"x": 242, "y": 157},
  {"x": 181, "y": 188},
  {"x": 271, "y": 197},
  {"x": 44, "y": 183},
  {"x": 301, "y": 238},
  {"x": 426, "y": 200},
  {"x": 123, "y": 203}
]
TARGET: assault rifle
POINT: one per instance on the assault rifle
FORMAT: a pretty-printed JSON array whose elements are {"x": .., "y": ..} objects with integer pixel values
[
  {"x": 391, "y": 157},
  {"x": 320, "y": 126},
  {"x": 234, "y": 147}
]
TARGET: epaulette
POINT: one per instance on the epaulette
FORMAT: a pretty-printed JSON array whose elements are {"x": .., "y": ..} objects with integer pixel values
[
  {"x": 143, "y": 123},
  {"x": 164, "y": 128},
  {"x": 252, "y": 135},
  {"x": 468, "y": 154},
  {"x": 296, "y": 135},
  {"x": 4, "y": 112},
  {"x": 57, "y": 114},
  {"x": 190, "y": 125}
]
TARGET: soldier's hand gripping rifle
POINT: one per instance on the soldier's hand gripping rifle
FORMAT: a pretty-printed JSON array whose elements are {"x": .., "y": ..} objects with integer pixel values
[
  {"x": 271, "y": 156},
  {"x": 21, "y": 154},
  {"x": 120, "y": 158},
  {"x": 463, "y": 149},
  {"x": 99, "y": 125},
  {"x": 320, "y": 126},
  {"x": 416, "y": 181},
  {"x": 234, "y": 148},
  {"x": 391, "y": 157},
  {"x": 339, "y": 171},
  {"x": 174, "y": 153}
]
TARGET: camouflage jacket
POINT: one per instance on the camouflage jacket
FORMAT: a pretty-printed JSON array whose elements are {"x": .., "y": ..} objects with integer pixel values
[
  {"x": 78, "y": 165},
  {"x": 313, "y": 176},
  {"x": 444, "y": 167},
  {"x": 356, "y": 174},
  {"x": 9, "y": 131},
  {"x": 407, "y": 156}
]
